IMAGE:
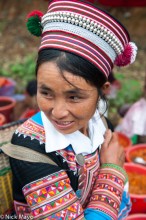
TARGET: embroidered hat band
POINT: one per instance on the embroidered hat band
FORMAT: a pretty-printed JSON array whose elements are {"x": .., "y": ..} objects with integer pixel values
[{"x": 85, "y": 30}]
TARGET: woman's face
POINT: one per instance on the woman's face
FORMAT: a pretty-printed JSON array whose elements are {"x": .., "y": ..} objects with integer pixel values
[{"x": 67, "y": 107}]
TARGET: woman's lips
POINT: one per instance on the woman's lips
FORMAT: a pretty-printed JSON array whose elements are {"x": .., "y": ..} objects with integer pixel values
[{"x": 62, "y": 124}]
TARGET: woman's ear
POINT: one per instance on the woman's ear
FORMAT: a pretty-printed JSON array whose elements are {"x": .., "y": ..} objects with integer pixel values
[{"x": 106, "y": 88}]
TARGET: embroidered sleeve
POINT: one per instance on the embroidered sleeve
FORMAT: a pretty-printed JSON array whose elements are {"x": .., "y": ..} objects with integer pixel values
[
  {"x": 52, "y": 197},
  {"x": 107, "y": 192}
]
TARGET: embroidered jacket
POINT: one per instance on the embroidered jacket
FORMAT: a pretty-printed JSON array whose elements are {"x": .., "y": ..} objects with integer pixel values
[{"x": 67, "y": 191}]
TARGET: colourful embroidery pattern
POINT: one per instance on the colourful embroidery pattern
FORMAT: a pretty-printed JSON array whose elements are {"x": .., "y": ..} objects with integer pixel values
[
  {"x": 33, "y": 130},
  {"x": 113, "y": 175},
  {"x": 22, "y": 210},
  {"x": 107, "y": 191},
  {"x": 90, "y": 171},
  {"x": 52, "y": 195},
  {"x": 69, "y": 157}
]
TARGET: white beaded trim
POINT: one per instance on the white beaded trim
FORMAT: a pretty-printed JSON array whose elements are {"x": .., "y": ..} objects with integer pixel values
[{"x": 85, "y": 23}]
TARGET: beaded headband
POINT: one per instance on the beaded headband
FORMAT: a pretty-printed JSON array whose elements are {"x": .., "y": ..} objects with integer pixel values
[{"x": 85, "y": 30}]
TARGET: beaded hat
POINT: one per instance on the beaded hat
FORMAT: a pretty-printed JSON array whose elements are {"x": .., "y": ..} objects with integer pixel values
[{"x": 81, "y": 28}]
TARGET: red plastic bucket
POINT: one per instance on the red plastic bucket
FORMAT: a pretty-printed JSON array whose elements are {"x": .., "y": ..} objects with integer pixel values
[
  {"x": 7, "y": 105},
  {"x": 136, "y": 151},
  {"x": 28, "y": 113},
  {"x": 136, "y": 217},
  {"x": 123, "y": 140},
  {"x": 138, "y": 200},
  {"x": 2, "y": 119}
]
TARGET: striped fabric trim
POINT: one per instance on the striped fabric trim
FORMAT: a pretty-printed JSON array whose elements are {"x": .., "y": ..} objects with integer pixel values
[
  {"x": 43, "y": 182},
  {"x": 107, "y": 192},
  {"x": 84, "y": 23},
  {"x": 91, "y": 12},
  {"x": 121, "y": 177},
  {"x": 80, "y": 32},
  {"x": 33, "y": 130},
  {"x": 74, "y": 41},
  {"x": 91, "y": 171},
  {"x": 104, "y": 189},
  {"x": 81, "y": 47}
]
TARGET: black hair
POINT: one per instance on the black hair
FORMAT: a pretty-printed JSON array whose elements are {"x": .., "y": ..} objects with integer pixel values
[
  {"x": 31, "y": 87},
  {"x": 74, "y": 64}
]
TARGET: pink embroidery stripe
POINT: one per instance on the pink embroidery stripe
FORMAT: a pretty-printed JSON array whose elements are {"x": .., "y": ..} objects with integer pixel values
[
  {"x": 114, "y": 172},
  {"x": 75, "y": 42},
  {"x": 77, "y": 52},
  {"x": 111, "y": 182},
  {"x": 30, "y": 127},
  {"x": 60, "y": 175},
  {"x": 36, "y": 203},
  {"x": 101, "y": 21},
  {"x": 72, "y": 37},
  {"x": 69, "y": 46},
  {"x": 38, "y": 212},
  {"x": 34, "y": 125},
  {"x": 89, "y": 181},
  {"x": 105, "y": 193},
  {"x": 64, "y": 5}
]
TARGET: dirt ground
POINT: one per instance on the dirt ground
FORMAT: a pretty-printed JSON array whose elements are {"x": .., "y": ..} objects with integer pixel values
[{"x": 16, "y": 42}]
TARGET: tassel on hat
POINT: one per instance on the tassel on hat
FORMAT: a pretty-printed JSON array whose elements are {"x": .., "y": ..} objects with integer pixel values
[
  {"x": 34, "y": 23},
  {"x": 127, "y": 56}
]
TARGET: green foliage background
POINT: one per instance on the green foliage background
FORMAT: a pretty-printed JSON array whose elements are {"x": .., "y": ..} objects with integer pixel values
[
  {"x": 22, "y": 72},
  {"x": 130, "y": 92}
]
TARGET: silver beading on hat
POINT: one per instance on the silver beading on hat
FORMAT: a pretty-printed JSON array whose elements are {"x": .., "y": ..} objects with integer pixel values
[{"x": 85, "y": 23}]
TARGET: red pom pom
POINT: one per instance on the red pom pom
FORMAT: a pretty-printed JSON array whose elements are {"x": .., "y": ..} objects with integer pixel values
[
  {"x": 35, "y": 13},
  {"x": 127, "y": 56}
]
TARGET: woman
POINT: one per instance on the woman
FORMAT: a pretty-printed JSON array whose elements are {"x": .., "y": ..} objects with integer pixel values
[{"x": 79, "y": 45}]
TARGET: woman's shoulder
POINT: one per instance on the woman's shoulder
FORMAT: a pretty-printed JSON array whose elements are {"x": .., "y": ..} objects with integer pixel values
[{"x": 30, "y": 133}]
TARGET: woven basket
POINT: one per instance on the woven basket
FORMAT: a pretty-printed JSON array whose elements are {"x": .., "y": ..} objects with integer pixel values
[{"x": 6, "y": 200}]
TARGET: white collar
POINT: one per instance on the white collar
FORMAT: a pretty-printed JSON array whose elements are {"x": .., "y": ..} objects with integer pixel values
[{"x": 80, "y": 143}]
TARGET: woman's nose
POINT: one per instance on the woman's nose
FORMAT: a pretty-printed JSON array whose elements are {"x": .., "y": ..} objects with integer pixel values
[{"x": 59, "y": 110}]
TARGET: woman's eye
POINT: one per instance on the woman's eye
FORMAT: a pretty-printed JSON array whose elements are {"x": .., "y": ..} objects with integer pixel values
[
  {"x": 46, "y": 94},
  {"x": 74, "y": 98}
]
